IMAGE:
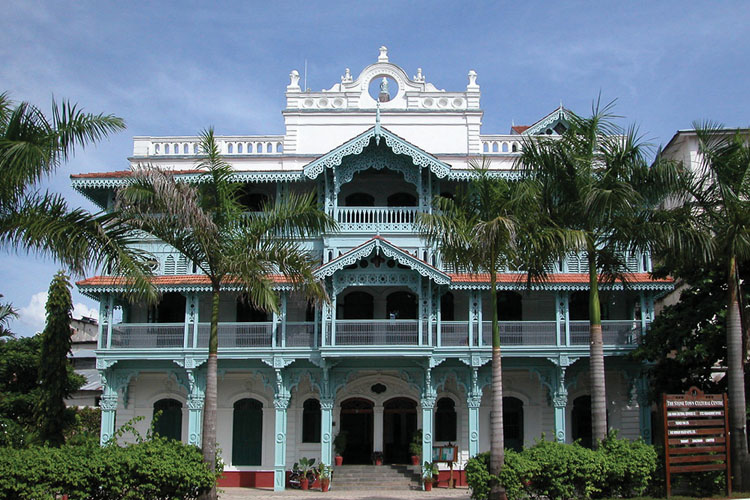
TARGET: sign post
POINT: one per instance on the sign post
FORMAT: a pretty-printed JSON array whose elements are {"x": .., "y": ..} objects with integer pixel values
[
  {"x": 447, "y": 454},
  {"x": 696, "y": 428}
]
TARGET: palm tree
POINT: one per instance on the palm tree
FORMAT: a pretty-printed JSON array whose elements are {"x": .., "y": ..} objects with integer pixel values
[
  {"x": 205, "y": 222},
  {"x": 595, "y": 181},
  {"x": 7, "y": 312},
  {"x": 476, "y": 232},
  {"x": 719, "y": 201},
  {"x": 32, "y": 147}
]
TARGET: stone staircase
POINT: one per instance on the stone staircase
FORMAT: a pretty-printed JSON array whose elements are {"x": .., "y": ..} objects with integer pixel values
[{"x": 376, "y": 477}]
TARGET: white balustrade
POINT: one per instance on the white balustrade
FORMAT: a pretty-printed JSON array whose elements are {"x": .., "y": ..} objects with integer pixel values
[
  {"x": 238, "y": 334},
  {"x": 148, "y": 335},
  {"x": 501, "y": 144},
  {"x": 190, "y": 146},
  {"x": 614, "y": 332},
  {"x": 300, "y": 334},
  {"x": 521, "y": 333},
  {"x": 454, "y": 333},
  {"x": 376, "y": 218}
]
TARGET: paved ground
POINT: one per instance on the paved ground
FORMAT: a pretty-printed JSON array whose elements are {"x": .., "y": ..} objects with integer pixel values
[{"x": 260, "y": 494}]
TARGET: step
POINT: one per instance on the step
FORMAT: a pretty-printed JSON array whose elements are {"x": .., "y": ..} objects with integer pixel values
[{"x": 376, "y": 477}]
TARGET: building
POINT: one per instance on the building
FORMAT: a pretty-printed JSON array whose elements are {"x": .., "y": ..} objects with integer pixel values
[
  {"x": 84, "y": 340},
  {"x": 404, "y": 344}
]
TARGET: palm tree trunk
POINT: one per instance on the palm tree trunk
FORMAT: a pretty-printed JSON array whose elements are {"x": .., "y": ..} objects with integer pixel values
[
  {"x": 736, "y": 385},
  {"x": 596, "y": 357},
  {"x": 497, "y": 445},
  {"x": 209, "y": 410}
]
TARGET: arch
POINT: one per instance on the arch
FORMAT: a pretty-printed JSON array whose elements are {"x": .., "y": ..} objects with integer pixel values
[
  {"x": 169, "y": 422},
  {"x": 486, "y": 148},
  {"x": 311, "y": 421},
  {"x": 494, "y": 147},
  {"x": 445, "y": 420},
  {"x": 239, "y": 148},
  {"x": 247, "y": 313},
  {"x": 252, "y": 202},
  {"x": 505, "y": 147},
  {"x": 269, "y": 148},
  {"x": 185, "y": 149},
  {"x": 399, "y": 425},
  {"x": 513, "y": 423},
  {"x": 509, "y": 306},
  {"x": 580, "y": 418},
  {"x": 249, "y": 147},
  {"x": 195, "y": 148},
  {"x": 401, "y": 305},
  {"x": 171, "y": 309},
  {"x": 358, "y": 305},
  {"x": 447, "y": 308},
  {"x": 359, "y": 200},
  {"x": 357, "y": 421},
  {"x": 402, "y": 200},
  {"x": 279, "y": 147},
  {"x": 247, "y": 432},
  {"x": 230, "y": 148},
  {"x": 579, "y": 305}
]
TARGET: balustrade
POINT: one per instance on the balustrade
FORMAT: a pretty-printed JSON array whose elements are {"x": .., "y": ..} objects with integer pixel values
[
  {"x": 369, "y": 332},
  {"x": 376, "y": 218}
]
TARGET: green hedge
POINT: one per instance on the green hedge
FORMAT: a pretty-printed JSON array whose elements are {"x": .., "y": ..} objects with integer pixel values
[
  {"x": 157, "y": 469},
  {"x": 619, "y": 468}
]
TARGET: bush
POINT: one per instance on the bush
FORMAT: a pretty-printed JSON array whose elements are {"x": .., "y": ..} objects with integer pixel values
[
  {"x": 556, "y": 470},
  {"x": 157, "y": 468}
]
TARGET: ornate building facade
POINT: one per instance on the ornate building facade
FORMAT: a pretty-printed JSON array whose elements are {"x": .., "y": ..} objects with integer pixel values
[{"x": 404, "y": 344}]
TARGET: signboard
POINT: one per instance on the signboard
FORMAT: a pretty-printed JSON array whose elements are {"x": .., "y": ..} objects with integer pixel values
[
  {"x": 696, "y": 428},
  {"x": 447, "y": 454}
]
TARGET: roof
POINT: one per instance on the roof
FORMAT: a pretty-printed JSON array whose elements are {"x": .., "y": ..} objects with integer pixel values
[
  {"x": 559, "y": 281},
  {"x": 519, "y": 129},
  {"x": 188, "y": 279}
]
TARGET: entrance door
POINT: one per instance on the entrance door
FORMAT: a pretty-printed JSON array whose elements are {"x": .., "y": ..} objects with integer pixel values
[
  {"x": 356, "y": 420},
  {"x": 399, "y": 424}
]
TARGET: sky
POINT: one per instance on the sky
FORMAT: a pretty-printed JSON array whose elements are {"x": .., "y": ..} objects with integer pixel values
[{"x": 175, "y": 68}]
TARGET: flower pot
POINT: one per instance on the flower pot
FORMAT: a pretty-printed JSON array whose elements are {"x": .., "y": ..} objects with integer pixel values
[
  {"x": 415, "y": 459},
  {"x": 303, "y": 484},
  {"x": 378, "y": 461},
  {"x": 428, "y": 486},
  {"x": 339, "y": 460},
  {"x": 324, "y": 485}
]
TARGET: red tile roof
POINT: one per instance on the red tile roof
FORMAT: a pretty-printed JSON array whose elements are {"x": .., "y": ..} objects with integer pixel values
[
  {"x": 190, "y": 279},
  {"x": 518, "y": 129},
  {"x": 552, "y": 278}
]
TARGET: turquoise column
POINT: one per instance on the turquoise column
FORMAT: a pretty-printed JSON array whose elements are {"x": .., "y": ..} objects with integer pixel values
[
  {"x": 473, "y": 402},
  {"x": 195, "y": 402},
  {"x": 427, "y": 402},
  {"x": 560, "y": 403},
  {"x": 280, "y": 404},
  {"x": 326, "y": 430},
  {"x": 108, "y": 405}
]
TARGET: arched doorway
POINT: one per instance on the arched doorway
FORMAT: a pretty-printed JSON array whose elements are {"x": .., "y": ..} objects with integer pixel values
[
  {"x": 356, "y": 421},
  {"x": 581, "y": 420},
  {"x": 399, "y": 424},
  {"x": 401, "y": 305},
  {"x": 513, "y": 423},
  {"x": 169, "y": 422},
  {"x": 247, "y": 432},
  {"x": 357, "y": 305}
]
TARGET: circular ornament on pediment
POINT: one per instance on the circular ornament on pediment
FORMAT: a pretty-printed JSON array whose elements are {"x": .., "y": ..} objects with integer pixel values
[
  {"x": 428, "y": 102},
  {"x": 323, "y": 103},
  {"x": 308, "y": 103},
  {"x": 338, "y": 103},
  {"x": 442, "y": 102},
  {"x": 383, "y": 86},
  {"x": 458, "y": 102}
]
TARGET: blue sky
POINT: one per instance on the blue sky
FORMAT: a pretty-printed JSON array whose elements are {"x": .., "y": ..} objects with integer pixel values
[{"x": 171, "y": 68}]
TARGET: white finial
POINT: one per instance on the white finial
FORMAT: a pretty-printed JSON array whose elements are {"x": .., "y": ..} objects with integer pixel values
[
  {"x": 419, "y": 77},
  {"x": 472, "y": 80},
  {"x": 383, "y": 57},
  {"x": 347, "y": 76},
  {"x": 293, "y": 80}
]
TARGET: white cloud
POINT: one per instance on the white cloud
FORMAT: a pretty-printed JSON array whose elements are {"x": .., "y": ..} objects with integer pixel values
[{"x": 35, "y": 315}]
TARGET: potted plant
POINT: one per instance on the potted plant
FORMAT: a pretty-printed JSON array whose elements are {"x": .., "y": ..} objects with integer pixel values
[
  {"x": 307, "y": 471},
  {"x": 324, "y": 473},
  {"x": 429, "y": 473},
  {"x": 339, "y": 445},
  {"x": 377, "y": 457},
  {"x": 415, "y": 447}
]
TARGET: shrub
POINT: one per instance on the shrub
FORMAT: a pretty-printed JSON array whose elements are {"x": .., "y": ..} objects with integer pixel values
[
  {"x": 157, "y": 468},
  {"x": 561, "y": 471}
]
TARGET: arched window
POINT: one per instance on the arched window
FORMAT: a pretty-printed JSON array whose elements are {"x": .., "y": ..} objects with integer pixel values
[
  {"x": 446, "y": 307},
  {"x": 311, "y": 421},
  {"x": 239, "y": 147},
  {"x": 401, "y": 305},
  {"x": 513, "y": 423},
  {"x": 445, "y": 420},
  {"x": 402, "y": 200},
  {"x": 247, "y": 432},
  {"x": 171, "y": 309},
  {"x": 509, "y": 306},
  {"x": 359, "y": 200},
  {"x": 169, "y": 422},
  {"x": 269, "y": 148},
  {"x": 252, "y": 202},
  {"x": 581, "y": 420},
  {"x": 358, "y": 305},
  {"x": 279, "y": 147}
]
